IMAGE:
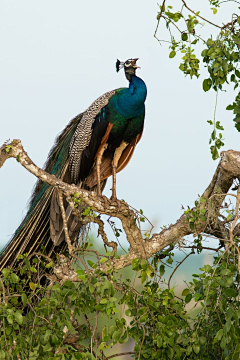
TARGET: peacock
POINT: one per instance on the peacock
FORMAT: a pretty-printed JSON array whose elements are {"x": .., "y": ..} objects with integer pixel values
[{"x": 94, "y": 145}]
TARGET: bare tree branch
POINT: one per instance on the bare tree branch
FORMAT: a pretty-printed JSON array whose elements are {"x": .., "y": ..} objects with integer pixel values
[{"x": 228, "y": 169}]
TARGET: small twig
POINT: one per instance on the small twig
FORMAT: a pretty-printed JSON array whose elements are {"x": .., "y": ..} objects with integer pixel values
[
  {"x": 114, "y": 232},
  {"x": 92, "y": 219},
  {"x": 187, "y": 7},
  {"x": 172, "y": 22},
  {"x": 160, "y": 15},
  {"x": 233, "y": 22},
  {"x": 144, "y": 334},
  {"x": 65, "y": 225},
  {"x": 121, "y": 354},
  {"x": 82, "y": 262},
  {"x": 233, "y": 226},
  {"x": 88, "y": 322},
  {"x": 37, "y": 316},
  {"x": 101, "y": 231},
  {"x": 3, "y": 291},
  {"x": 95, "y": 329},
  {"x": 192, "y": 252},
  {"x": 202, "y": 248},
  {"x": 229, "y": 1},
  {"x": 236, "y": 216},
  {"x": 41, "y": 255}
]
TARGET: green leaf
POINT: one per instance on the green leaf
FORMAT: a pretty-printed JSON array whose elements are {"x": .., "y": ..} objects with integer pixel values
[
  {"x": 3, "y": 355},
  {"x": 228, "y": 325},
  {"x": 223, "y": 343},
  {"x": 91, "y": 263},
  {"x": 214, "y": 152},
  {"x": 143, "y": 318},
  {"x": 10, "y": 319},
  {"x": 135, "y": 264},
  {"x": 149, "y": 272},
  {"x": 19, "y": 318},
  {"x": 49, "y": 265},
  {"x": 231, "y": 107},
  {"x": 218, "y": 126},
  {"x": 203, "y": 218},
  {"x": 236, "y": 356},
  {"x": 170, "y": 353},
  {"x": 104, "y": 301},
  {"x": 32, "y": 285},
  {"x": 184, "y": 36},
  {"x": 162, "y": 270},
  {"x": 225, "y": 66},
  {"x": 218, "y": 336},
  {"x": 54, "y": 339},
  {"x": 5, "y": 272},
  {"x": 9, "y": 330},
  {"x": 226, "y": 271},
  {"x": 144, "y": 264},
  {"x": 102, "y": 346},
  {"x": 112, "y": 299},
  {"x": 14, "y": 278},
  {"x": 172, "y": 54},
  {"x": 188, "y": 298},
  {"x": 91, "y": 289},
  {"x": 196, "y": 348},
  {"x": 143, "y": 276},
  {"x": 128, "y": 312},
  {"x": 237, "y": 72},
  {"x": 230, "y": 313},
  {"x": 198, "y": 296},
  {"x": 159, "y": 341},
  {"x": 103, "y": 260},
  {"x": 202, "y": 340},
  {"x": 207, "y": 83},
  {"x": 24, "y": 299},
  {"x": 231, "y": 292},
  {"x": 185, "y": 292},
  {"x": 116, "y": 335},
  {"x": 80, "y": 272}
]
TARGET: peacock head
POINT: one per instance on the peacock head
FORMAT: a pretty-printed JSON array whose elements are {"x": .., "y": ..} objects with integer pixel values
[{"x": 129, "y": 66}]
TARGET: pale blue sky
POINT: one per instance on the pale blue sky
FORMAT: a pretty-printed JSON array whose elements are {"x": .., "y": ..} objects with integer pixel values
[{"x": 57, "y": 57}]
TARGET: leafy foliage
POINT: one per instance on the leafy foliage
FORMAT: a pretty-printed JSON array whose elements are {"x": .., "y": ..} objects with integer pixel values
[
  {"x": 85, "y": 318},
  {"x": 219, "y": 54}
]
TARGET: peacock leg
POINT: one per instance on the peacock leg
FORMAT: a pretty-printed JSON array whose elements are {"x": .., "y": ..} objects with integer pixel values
[
  {"x": 98, "y": 163},
  {"x": 117, "y": 154}
]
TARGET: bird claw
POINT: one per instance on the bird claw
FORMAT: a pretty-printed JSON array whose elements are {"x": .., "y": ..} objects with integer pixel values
[
  {"x": 115, "y": 200},
  {"x": 99, "y": 193},
  {"x": 106, "y": 201}
]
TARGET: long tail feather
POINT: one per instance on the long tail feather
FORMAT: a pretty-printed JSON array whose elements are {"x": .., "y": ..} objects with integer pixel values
[{"x": 33, "y": 234}]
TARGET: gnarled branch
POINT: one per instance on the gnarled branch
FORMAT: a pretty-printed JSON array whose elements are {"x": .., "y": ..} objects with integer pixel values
[{"x": 228, "y": 169}]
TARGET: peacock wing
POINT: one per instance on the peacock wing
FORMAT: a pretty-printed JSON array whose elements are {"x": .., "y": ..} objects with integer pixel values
[
  {"x": 92, "y": 130},
  {"x": 85, "y": 142}
]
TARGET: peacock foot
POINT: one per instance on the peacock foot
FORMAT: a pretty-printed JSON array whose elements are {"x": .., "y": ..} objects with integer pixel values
[{"x": 116, "y": 201}]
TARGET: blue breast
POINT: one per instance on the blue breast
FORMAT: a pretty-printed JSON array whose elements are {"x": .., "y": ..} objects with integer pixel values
[{"x": 129, "y": 102}]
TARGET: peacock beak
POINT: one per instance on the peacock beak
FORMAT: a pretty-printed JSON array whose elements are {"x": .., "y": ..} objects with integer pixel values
[{"x": 134, "y": 63}]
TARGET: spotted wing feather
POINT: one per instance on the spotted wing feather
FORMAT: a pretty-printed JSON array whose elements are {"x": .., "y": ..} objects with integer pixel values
[{"x": 82, "y": 136}]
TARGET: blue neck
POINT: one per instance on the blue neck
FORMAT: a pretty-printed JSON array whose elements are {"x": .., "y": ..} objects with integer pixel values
[
  {"x": 138, "y": 89},
  {"x": 131, "y": 100}
]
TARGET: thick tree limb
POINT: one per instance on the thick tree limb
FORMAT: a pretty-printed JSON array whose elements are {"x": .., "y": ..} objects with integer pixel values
[{"x": 228, "y": 169}]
